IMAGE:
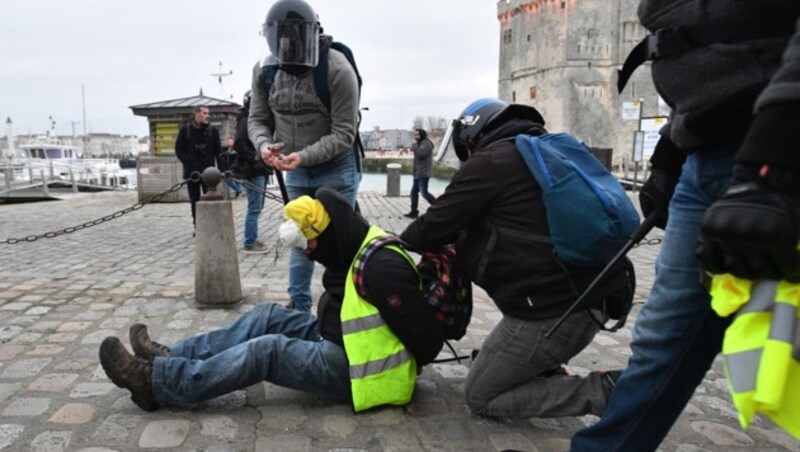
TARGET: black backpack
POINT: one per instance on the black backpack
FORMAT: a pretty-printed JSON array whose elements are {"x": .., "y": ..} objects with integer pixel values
[{"x": 321, "y": 85}]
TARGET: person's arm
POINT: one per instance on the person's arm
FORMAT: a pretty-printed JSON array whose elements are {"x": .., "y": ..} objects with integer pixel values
[
  {"x": 216, "y": 149},
  {"x": 424, "y": 150},
  {"x": 343, "y": 86},
  {"x": 393, "y": 287},
  {"x": 753, "y": 230},
  {"x": 260, "y": 121},
  {"x": 242, "y": 143},
  {"x": 180, "y": 145},
  {"x": 467, "y": 197}
]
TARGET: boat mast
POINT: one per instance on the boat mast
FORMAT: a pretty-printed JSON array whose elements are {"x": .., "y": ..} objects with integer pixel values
[{"x": 83, "y": 105}]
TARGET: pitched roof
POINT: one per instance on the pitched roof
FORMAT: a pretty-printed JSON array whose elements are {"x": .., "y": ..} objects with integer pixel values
[{"x": 194, "y": 101}]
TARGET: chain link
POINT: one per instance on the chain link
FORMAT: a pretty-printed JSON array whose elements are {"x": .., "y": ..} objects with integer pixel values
[
  {"x": 89, "y": 224},
  {"x": 648, "y": 241}
]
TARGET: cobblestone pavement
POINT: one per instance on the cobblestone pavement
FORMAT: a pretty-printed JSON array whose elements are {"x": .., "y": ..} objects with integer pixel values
[{"x": 60, "y": 297}]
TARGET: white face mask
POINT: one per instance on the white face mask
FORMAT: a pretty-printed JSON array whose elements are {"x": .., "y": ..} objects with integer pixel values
[{"x": 291, "y": 235}]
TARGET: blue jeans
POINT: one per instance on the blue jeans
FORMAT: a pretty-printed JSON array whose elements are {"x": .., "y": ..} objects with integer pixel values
[
  {"x": 255, "y": 202},
  {"x": 676, "y": 335},
  {"x": 420, "y": 186},
  {"x": 235, "y": 186},
  {"x": 339, "y": 174},
  {"x": 268, "y": 343}
]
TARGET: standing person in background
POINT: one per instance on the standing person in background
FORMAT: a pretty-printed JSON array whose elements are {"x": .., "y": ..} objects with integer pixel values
[
  {"x": 250, "y": 167},
  {"x": 228, "y": 160},
  {"x": 292, "y": 127},
  {"x": 734, "y": 86},
  {"x": 197, "y": 147},
  {"x": 423, "y": 170}
]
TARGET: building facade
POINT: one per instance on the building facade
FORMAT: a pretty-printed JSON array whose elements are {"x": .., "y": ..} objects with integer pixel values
[{"x": 562, "y": 57}]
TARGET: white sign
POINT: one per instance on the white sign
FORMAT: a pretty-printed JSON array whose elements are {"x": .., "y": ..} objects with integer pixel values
[
  {"x": 630, "y": 110},
  {"x": 638, "y": 145},
  {"x": 650, "y": 127}
]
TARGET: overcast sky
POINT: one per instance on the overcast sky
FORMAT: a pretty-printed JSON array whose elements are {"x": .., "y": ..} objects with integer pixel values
[{"x": 417, "y": 57}]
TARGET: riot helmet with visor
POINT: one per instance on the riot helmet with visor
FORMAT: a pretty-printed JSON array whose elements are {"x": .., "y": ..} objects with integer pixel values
[{"x": 292, "y": 32}]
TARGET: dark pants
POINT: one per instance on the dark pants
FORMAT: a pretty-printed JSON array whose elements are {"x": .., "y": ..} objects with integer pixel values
[
  {"x": 420, "y": 186},
  {"x": 194, "y": 196}
]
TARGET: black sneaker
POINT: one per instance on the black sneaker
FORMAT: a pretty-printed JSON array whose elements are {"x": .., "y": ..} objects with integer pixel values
[
  {"x": 128, "y": 372},
  {"x": 143, "y": 346},
  {"x": 411, "y": 215}
]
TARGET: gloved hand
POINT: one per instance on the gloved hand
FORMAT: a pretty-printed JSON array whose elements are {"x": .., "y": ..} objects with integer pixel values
[
  {"x": 655, "y": 194},
  {"x": 752, "y": 231}
]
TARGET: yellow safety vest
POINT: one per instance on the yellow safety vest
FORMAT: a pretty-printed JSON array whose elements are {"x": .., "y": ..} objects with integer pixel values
[
  {"x": 762, "y": 348},
  {"x": 382, "y": 370}
]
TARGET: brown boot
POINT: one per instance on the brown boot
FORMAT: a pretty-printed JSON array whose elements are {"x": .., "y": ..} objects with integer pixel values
[
  {"x": 143, "y": 346},
  {"x": 128, "y": 372}
]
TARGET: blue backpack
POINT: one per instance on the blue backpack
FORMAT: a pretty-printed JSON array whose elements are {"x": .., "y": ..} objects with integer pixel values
[{"x": 588, "y": 213}]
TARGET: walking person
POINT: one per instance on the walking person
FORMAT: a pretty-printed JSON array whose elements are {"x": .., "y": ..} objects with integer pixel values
[
  {"x": 422, "y": 147},
  {"x": 367, "y": 347},
  {"x": 294, "y": 129},
  {"x": 228, "y": 158},
  {"x": 197, "y": 147},
  {"x": 725, "y": 185},
  {"x": 251, "y": 168}
]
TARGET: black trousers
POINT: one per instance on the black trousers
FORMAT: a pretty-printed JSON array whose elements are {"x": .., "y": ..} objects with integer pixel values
[{"x": 194, "y": 189}]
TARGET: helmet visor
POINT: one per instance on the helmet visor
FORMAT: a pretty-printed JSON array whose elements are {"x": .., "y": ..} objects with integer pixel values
[{"x": 293, "y": 41}]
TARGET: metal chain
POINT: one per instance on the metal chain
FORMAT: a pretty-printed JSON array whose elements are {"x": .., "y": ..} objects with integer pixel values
[
  {"x": 650, "y": 241},
  {"x": 250, "y": 186},
  {"x": 88, "y": 224}
]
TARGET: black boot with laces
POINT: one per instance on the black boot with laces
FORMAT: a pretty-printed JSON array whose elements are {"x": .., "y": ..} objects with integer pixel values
[
  {"x": 143, "y": 346},
  {"x": 128, "y": 372}
]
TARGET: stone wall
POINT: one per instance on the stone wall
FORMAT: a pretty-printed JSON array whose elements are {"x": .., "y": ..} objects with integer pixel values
[
  {"x": 157, "y": 174},
  {"x": 562, "y": 56}
]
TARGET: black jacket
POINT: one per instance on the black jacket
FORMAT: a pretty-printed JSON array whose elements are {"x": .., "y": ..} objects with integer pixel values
[
  {"x": 491, "y": 194},
  {"x": 197, "y": 147},
  {"x": 392, "y": 283},
  {"x": 248, "y": 161}
]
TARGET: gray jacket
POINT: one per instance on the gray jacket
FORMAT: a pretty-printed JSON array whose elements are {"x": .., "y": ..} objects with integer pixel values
[
  {"x": 423, "y": 159},
  {"x": 293, "y": 114},
  {"x": 713, "y": 89}
]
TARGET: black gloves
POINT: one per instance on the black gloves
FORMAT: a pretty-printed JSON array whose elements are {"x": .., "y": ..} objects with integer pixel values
[
  {"x": 753, "y": 230},
  {"x": 658, "y": 189},
  {"x": 655, "y": 194}
]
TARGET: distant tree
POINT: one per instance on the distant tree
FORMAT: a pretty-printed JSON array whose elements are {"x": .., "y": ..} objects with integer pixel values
[
  {"x": 436, "y": 123},
  {"x": 418, "y": 123}
]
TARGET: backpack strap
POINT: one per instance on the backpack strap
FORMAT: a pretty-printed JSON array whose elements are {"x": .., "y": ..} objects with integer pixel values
[
  {"x": 360, "y": 261},
  {"x": 674, "y": 42},
  {"x": 268, "y": 73}
]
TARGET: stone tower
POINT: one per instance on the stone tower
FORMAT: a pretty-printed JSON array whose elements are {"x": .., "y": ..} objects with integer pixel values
[{"x": 562, "y": 57}]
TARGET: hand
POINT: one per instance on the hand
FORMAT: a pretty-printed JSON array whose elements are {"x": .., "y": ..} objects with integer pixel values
[
  {"x": 655, "y": 194},
  {"x": 752, "y": 231},
  {"x": 286, "y": 162},
  {"x": 270, "y": 151}
]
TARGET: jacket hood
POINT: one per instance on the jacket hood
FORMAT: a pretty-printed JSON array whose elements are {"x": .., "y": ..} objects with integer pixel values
[
  {"x": 508, "y": 130},
  {"x": 339, "y": 242}
]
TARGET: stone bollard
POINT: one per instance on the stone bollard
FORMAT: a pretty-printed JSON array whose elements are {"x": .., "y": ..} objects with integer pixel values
[
  {"x": 216, "y": 263},
  {"x": 393, "y": 179}
]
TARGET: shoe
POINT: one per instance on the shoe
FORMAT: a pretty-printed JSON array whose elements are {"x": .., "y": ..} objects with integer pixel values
[
  {"x": 128, "y": 372},
  {"x": 143, "y": 346},
  {"x": 411, "y": 215},
  {"x": 256, "y": 248},
  {"x": 237, "y": 195}
]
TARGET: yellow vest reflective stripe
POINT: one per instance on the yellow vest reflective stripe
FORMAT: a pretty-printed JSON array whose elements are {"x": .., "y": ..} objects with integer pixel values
[
  {"x": 762, "y": 348},
  {"x": 382, "y": 371}
]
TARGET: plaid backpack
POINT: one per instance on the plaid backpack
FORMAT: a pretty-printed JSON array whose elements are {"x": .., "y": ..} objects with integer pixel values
[{"x": 447, "y": 291}]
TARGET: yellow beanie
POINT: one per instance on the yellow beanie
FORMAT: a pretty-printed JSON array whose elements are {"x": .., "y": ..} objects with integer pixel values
[{"x": 309, "y": 214}]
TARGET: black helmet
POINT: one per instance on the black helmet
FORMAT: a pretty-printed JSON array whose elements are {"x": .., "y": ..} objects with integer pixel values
[
  {"x": 246, "y": 99},
  {"x": 482, "y": 115},
  {"x": 292, "y": 33}
]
